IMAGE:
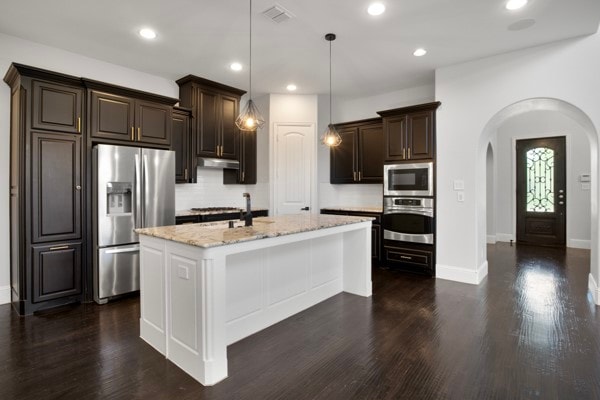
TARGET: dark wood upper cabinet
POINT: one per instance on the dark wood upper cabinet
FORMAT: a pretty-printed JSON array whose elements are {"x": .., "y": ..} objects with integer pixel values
[
  {"x": 56, "y": 190},
  {"x": 127, "y": 115},
  {"x": 214, "y": 109},
  {"x": 56, "y": 271},
  {"x": 153, "y": 122},
  {"x": 180, "y": 143},
  {"x": 370, "y": 154},
  {"x": 409, "y": 132},
  {"x": 359, "y": 158},
  {"x": 343, "y": 157},
  {"x": 57, "y": 107},
  {"x": 112, "y": 116},
  {"x": 247, "y": 174}
]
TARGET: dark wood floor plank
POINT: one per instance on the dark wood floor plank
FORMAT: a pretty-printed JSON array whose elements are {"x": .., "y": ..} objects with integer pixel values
[{"x": 529, "y": 331}]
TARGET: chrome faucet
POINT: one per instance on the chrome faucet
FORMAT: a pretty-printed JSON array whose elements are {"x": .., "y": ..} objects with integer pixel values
[{"x": 247, "y": 217}]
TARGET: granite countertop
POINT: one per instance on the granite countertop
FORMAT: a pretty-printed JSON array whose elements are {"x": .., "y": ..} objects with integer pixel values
[
  {"x": 186, "y": 213},
  {"x": 373, "y": 209},
  {"x": 218, "y": 234}
]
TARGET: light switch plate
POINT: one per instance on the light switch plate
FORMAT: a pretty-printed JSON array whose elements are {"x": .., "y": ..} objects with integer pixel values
[
  {"x": 460, "y": 196},
  {"x": 459, "y": 185}
]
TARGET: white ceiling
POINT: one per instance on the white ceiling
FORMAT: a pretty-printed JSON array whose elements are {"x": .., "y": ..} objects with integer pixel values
[{"x": 371, "y": 55}]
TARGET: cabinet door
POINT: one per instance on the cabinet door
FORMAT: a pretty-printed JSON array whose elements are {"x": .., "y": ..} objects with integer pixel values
[
  {"x": 56, "y": 187},
  {"x": 420, "y": 135},
  {"x": 112, "y": 116},
  {"x": 153, "y": 123},
  {"x": 56, "y": 271},
  {"x": 180, "y": 140},
  {"x": 395, "y": 138},
  {"x": 57, "y": 107},
  {"x": 229, "y": 131},
  {"x": 370, "y": 153},
  {"x": 248, "y": 159},
  {"x": 207, "y": 128},
  {"x": 342, "y": 167}
]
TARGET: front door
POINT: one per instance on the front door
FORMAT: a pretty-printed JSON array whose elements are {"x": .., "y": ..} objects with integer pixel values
[{"x": 541, "y": 191}]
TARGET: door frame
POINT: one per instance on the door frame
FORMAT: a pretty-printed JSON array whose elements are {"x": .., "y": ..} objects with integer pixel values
[
  {"x": 273, "y": 164},
  {"x": 513, "y": 178}
]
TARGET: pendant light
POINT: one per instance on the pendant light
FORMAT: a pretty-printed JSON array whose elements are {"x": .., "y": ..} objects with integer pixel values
[
  {"x": 331, "y": 137},
  {"x": 250, "y": 118}
]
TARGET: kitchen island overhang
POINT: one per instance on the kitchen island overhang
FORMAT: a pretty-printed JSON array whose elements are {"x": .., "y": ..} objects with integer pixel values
[{"x": 205, "y": 286}]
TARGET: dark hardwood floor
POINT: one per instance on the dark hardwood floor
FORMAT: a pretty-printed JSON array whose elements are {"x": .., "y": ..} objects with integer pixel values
[{"x": 529, "y": 331}]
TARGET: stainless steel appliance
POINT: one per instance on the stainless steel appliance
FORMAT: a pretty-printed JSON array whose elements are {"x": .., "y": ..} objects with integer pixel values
[
  {"x": 134, "y": 188},
  {"x": 408, "y": 219},
  {"x": 415, "y": 179}
]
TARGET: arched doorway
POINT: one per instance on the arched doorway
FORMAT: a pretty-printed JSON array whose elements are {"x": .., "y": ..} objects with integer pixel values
[{"x": 516, "y": 112}]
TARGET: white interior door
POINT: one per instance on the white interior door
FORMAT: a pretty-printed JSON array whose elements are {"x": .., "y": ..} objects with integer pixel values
[{"x": 294, "y": 155}]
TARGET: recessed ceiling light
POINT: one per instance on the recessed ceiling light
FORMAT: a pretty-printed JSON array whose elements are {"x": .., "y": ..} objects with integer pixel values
[
  {"x": 376, "y": 9},
  {"x": 515, "y": 4},
  {"x": 420, "y": 52},
  {"x": 236, "y": 66},
  {"x": 291, "y": 87},
  {"x": 147, "y": 33}
]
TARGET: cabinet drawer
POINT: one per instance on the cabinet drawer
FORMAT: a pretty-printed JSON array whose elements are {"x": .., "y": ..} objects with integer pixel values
[{"x": 407, "y": 257}]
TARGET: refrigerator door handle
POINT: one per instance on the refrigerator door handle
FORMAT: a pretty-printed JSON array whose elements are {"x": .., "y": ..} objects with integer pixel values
[
  {"x": 137, "y": 183},
  {"x": 144, "y": 187},
  {"x": 124, "y": 250}
]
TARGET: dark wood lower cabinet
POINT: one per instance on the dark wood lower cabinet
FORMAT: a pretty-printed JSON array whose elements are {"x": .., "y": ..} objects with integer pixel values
[
  {"x": 375, "y": 228},
  {"x": 411, "y": 257},
  {"x": 56, "y": 271},
  {"x": 195, "y": 219}
]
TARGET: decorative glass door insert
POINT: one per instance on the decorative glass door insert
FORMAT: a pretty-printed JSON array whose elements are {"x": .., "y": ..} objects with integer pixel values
[{"x": 540, "y": 180}]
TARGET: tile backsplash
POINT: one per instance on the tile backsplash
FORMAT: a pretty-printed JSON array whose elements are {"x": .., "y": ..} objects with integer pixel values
[
  {"x": 350, "y": 195},
  {"x": 209, "y": 191}
]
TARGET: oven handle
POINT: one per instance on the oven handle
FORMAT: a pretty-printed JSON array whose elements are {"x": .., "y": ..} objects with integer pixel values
[{"x": 425, "y": 213}]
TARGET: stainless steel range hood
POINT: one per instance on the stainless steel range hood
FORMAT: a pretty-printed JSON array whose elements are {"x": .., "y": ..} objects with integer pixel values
[{"x": 217, "y": 163}]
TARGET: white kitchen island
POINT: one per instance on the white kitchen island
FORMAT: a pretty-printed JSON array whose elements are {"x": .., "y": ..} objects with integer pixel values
[{"x": 204, "y": 286}]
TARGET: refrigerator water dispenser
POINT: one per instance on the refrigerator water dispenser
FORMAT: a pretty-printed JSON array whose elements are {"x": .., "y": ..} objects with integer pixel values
[{"x": 119, "y": 198}]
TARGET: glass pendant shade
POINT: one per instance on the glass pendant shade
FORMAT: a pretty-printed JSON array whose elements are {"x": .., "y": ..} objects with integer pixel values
[
  {"x": 250, "y": 118},
  {"x": 331, "y": 137}
]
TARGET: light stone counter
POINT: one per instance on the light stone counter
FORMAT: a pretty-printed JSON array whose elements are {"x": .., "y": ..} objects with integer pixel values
[
  {"x": 205, "y": 286},
  {"x": 218, "y": 234},
  {"x": 376, "y": 210}
]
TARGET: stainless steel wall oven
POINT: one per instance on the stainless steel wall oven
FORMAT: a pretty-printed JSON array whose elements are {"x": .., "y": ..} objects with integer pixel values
[{"x": 408, "y": 219}]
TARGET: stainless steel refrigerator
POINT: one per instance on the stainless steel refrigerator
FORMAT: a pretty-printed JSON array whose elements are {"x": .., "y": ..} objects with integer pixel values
[{"x": 135, "y": 188}]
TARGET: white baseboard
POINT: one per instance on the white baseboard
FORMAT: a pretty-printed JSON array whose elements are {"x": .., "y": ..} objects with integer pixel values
[
  {"x": 579, "y": 244},
  {"x": 504, "y": 237},
  {"x": 4, "y": 294},
  {"x": 491, "y": 239},
  {"x": 463, "y": 275},
  {"x": 593, "y": 288}
]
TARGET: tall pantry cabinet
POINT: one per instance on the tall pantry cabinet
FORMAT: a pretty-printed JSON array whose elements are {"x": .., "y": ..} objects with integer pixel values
[{"x": 46, "y": 188}]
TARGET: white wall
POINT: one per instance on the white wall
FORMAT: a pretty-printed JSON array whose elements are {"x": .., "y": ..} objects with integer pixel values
[
  {"x": 490, "y": 194},
  {"x": 536, "y": 124},
  {"x": 24, "y": 52},
  {"x": 352, "y": 109},
  {"x": 474, "y": 97}
]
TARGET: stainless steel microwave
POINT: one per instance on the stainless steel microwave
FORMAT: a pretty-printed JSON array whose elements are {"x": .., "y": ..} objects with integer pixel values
[{"x": 414, "y": 179}]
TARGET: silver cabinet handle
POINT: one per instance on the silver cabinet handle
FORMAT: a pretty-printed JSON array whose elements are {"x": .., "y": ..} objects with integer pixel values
[{"x": 78, "y": 187}]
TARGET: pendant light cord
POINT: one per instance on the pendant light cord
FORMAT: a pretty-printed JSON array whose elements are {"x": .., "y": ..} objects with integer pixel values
[
  {"x": 250, "y": 62},
  {"x": 330, "y": 91}
]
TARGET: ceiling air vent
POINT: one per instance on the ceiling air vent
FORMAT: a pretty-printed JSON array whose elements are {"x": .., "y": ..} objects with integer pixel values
[{"x": 277, "y": 14}]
